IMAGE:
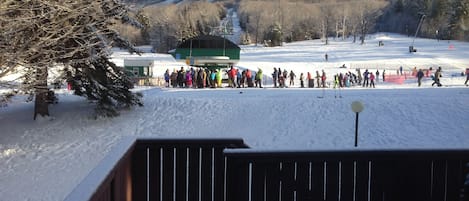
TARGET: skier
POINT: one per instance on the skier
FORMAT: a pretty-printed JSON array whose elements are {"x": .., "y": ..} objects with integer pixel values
[
  {"x": 323, "y": 79},
  {"x": 383, "y": 75},
  {"x": 318, "y": 79},
  {"x": 259, "y": 78},
  {"x": 302, "y": 82},
  {"x": 174, "y": 76},
  {"x": 366, "y": 78},
  {"x": 249, "y": 78},
  {"x": 292, "y": 78},
  {"x": 212, "y": 79},
  {"x": 336, "y": 81},
  {"x": 188, "y": 79},
  {"x": 436, "y": 78},
  {"x": 233, "y": 76},
  {"x": 239, "y": 77},
  {"x": 219, "y": 78},
  {"x": 359, "y": 76},
  {"x": 467, "y": 76},
  {"x": 195, "y": 75},
  {"x": 419, "y": 77},
  {"x": 166, "y": 77},
  {"x": 274, "y": 77},
  {"x": 372, "y": 80},
  {"x": 285, "y": 76},
  {"x": 310, "y": 80},
  {"x": 377, "y": 75},
  {"x": 181, "y": 77},
  {"x": 279, "y": 77}
]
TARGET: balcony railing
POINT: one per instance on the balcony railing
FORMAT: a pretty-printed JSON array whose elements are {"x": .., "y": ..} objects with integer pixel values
[{"x": 225, "y": 170}]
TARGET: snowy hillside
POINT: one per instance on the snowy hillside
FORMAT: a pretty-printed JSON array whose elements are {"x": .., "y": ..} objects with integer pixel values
[{"x": 48, "y": 158}]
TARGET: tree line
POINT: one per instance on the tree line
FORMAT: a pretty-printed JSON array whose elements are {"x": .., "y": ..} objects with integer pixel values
[
  {"x": 272, "y": 22},
  {"x": 167, "y": 25},
  {"x": 442, "y": 19}
]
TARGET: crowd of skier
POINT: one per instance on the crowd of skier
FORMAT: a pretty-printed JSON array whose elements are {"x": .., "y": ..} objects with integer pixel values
[
  {"x": 237, "y": 78},
  {"x": 206, "y": 78}
]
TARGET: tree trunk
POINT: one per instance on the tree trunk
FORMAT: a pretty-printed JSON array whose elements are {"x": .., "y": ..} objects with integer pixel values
[{"x": 41, "y": 105}]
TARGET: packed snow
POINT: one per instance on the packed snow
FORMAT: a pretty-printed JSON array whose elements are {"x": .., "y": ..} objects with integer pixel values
[{"x": 45, "y": 159}]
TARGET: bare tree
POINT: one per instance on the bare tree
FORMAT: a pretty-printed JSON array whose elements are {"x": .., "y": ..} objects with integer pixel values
[
  {"x": 256, "y": 17},
  {"x": 327, "y": 15},
  {"x": 37, "y": 36},
  {"x": 364, "y": 15},
  {"x": 170, "y": 24}
]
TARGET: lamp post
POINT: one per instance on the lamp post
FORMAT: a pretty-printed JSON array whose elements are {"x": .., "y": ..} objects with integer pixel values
[{"x": 357, "y": 107}]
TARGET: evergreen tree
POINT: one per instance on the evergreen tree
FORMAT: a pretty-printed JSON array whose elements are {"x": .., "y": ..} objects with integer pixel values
[
  {"x": 274, "y": 35},
  {"x": 37, "y": 36},
  {"x": 459, "y": 19},
  {"x": 399, "y": 6}
]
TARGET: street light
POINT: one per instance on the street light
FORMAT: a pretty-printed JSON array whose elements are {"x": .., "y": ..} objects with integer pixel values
[{"x": 357, "y": 107}]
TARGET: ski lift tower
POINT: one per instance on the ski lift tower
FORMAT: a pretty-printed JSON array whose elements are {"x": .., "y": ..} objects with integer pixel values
[
  {"x": 411, "y": 47},
  {"x": 225, "y": 28}
]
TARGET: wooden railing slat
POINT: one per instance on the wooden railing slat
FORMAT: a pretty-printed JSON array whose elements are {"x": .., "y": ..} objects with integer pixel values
[
  {"x": 181, "y": 173},
  {"x": 361, "y": 189},
  {"x": 258, "y": 182},
  {"x": 455, "y": 179},
  {"x": 332, "y": 180},
  {"x": 168, "y": 173},
  {"x": 288, "y": 180},
  {"x": 194, "y": 162},
  {"x": 206, "y": 174},
  {"x": 303, "y": 177},
  {"x": 139, "y": 174},
  {"x": 272, "y": 181},
  {"x": 237, "y": 180},
  {"x": 154, "y": 173},
  {"x": 219, "y": 174},
  {"x": 347, "y": 180}
]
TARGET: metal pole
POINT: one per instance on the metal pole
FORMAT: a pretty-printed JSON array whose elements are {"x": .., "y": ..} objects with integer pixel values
[
  {"x": 356, "y": 129},
  {"x": 418, "y": 28}
]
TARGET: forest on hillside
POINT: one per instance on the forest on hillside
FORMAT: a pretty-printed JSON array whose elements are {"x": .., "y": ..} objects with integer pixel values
[{"x": 272, "y": 22}]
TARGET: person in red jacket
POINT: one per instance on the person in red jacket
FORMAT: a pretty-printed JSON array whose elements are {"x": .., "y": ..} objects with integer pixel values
[
  {"x": 310, "y": 80},
  {"x": 249, "y": 78},
  {"x": 372, "y": 79},
  {"x": 233, "y": 76}
]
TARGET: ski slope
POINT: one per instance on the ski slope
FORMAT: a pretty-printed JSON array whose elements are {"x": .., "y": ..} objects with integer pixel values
[{"x": 44, "y": 160}]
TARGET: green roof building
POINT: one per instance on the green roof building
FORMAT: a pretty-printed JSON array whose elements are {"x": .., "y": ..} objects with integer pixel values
[{"x": 208, "y": 52}]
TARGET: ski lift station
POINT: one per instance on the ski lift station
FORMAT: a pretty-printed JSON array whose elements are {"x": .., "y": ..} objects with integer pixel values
[
  {"x": 207, "y": 51},
  {"x": 138, "y": 67}
]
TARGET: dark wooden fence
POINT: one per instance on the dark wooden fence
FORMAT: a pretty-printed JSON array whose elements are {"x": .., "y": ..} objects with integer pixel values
[
  {"x": 414, "y": 175},
  {"x": 216, "y": 170},
  {"x": 159, "y": 169},
  {"x": 180, "y": 170}
]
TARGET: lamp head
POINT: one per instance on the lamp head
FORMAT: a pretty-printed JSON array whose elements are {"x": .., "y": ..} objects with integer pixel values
[{"x": 357, "y": 106}]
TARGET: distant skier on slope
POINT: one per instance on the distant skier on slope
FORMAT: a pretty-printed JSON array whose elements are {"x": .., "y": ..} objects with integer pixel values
[
  {"x": 419, "y": 77},
  {"x": 292, "y": 78},
  {"x": 436, "y": 78},
  {"x": 302, "y": 80},
  {"x": 467, "y": 76}
]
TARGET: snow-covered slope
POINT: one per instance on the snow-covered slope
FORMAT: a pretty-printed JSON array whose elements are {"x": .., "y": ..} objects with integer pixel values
[{"x": 48, "y": 158}]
